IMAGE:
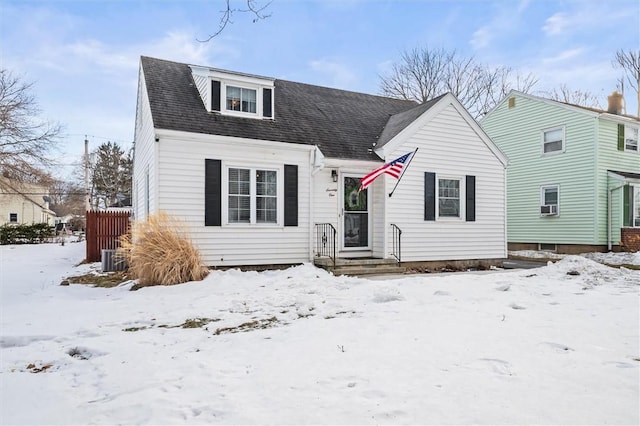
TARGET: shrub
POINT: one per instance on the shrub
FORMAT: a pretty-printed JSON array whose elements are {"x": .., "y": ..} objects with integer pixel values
[
  {"x": 25, "y": 234},
  {"x": 159, "y": 252}
]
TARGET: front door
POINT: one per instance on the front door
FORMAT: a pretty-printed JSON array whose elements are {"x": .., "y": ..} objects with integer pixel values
[{"x": 355, "y": 229}]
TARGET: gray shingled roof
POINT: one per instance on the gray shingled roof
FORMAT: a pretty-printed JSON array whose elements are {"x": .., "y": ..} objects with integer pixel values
[
  {"x": 399, "y": 121},
  {"x": 343, "y": 124}
]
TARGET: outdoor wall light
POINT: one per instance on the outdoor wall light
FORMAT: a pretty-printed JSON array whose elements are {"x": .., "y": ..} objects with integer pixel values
[{"x": 334, "y": 175}]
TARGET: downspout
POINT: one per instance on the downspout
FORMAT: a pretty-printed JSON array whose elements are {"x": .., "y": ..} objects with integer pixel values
[
  {"x": 596, "y": 165},
  {"x": 312, "y": 173},
  {"x": 505, "y": 211}
]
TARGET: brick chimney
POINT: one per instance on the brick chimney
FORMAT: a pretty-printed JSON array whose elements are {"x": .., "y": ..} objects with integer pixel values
[{"x": 615, "y": 103}]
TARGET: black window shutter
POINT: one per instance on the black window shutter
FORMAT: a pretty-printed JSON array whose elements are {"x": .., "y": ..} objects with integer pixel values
[
  {"x": 215, "y": 95},
  {"x": 212, "y": 192},
  {"x": 627, "y": 205},
  {"x": 429, "y": 196},
  {"x": 266, "y": 103},
  {"x": 470, "y": 198},
  {"x": 620, "y": 137},
  {"x": 290, "y": 195}
]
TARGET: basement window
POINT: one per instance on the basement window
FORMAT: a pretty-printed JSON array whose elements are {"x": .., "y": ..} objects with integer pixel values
[{"x": 547, "y": 247}]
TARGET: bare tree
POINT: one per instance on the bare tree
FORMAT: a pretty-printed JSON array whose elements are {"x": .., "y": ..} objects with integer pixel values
[
  {"x": 25, "y": 140},
  {"x": 252, "y": 7},
  {"x": 424, "y": 73},
  {"x": 629, "y": 61},
  {"x": 66, "y": 198},
  {"x": 575, "y": 97}
]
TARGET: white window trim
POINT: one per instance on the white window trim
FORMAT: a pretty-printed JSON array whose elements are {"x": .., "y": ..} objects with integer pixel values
[
  {"x": 542, "y": 189},
  {"x": 224, "y": 85},
  {"x": 252, "y": 195},
  {"x": 13, "y": 221},
  {"x": 564, "y": 140},
  {"x": 627, "y": 129},
  {"x": 251, "y": 85},
  {"x": 462, "y": 195}
]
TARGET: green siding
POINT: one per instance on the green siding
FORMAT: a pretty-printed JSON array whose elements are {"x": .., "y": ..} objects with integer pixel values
[
  {"x": 518, "y": 133},
  {"x": 611, "y": 158},
  {"x": 591, "y": 149}
]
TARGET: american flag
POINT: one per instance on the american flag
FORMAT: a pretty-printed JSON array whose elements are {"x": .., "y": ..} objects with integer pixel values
[{"x": 392, "y": 168}]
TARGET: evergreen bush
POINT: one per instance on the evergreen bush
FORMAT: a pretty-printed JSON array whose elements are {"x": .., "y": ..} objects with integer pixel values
[{"x": 25, "y": 234}]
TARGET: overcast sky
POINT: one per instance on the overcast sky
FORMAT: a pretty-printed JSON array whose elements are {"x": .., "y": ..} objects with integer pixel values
[{"x": 83, "y": 56}]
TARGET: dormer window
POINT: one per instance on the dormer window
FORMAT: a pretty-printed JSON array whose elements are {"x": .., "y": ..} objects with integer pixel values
[{"x": 241, "y": 99}]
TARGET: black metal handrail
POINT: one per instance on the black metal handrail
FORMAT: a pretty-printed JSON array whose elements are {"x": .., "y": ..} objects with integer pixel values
[
  {"x": 326, "y": 241},
  {"x": 397, "y": 242}
]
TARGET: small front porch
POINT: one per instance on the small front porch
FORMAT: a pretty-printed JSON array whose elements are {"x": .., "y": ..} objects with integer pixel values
[
  {"x": 327, "y": 256},
  {"x": 360, "y": 266}
]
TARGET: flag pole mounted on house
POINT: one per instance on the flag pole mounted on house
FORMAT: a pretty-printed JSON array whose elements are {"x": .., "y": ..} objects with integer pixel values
[{"x": 393, "y": 168}]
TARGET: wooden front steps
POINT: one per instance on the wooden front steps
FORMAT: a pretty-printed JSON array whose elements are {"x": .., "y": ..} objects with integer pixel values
[{"x": 360, "y": 266}]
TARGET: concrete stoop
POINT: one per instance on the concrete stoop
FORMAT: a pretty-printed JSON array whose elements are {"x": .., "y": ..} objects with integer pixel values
[{"x": 359, "y": 267}]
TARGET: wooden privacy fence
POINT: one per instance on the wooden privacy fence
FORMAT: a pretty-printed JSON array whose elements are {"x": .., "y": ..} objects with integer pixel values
[{"x": 103, "y": 231}]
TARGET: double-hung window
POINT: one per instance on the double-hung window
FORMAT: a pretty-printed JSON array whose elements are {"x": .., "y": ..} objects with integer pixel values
[
  {"x": 549, "y": 200},
  {"x": 252, "y": 196},
  {"x": 241, "y": 99},
  {"x": 449, "y": 197},
  {"x": 630, "y": 139},
  {"x": 553, "y": 140}
]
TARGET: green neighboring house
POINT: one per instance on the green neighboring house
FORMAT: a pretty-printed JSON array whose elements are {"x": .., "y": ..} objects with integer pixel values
[{"x": 573, "y": 178}]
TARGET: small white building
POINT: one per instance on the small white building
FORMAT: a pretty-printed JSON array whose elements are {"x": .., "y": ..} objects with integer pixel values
[{"x": 267, "y": 171}]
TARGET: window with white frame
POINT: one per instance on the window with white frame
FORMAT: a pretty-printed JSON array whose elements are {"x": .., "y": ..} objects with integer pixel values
[
  {"x": 553, "y": 140},
  {"x": 549, "y": 200},
  {"x": 630, "y": 139},
  {"x": 448, "y": 197},
  {"x": 252, "y": 196},
  {"x": 241, "y": 99},
  {"x": 13, "y": 217}
]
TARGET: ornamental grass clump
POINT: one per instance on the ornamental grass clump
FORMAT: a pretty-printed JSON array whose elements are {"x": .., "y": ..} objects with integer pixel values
[{"x": 158, "y": 251}]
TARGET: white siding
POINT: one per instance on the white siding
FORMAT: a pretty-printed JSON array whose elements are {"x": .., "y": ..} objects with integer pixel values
[
  {"x": 449, "y": 146},
  {"x": 181, "y": 187},
  {"x": 144, "y": 159},
  {"x": 204, "y": 88},
  {"x": 378, "y": 220}
]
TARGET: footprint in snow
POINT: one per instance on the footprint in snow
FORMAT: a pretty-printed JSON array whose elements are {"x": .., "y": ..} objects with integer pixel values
[
  {"x": 387, "y": 297},
  {"x": 498, "y": 366},
  {"x": 557, "y": 347},
  {"x": 516, "y": 306}
]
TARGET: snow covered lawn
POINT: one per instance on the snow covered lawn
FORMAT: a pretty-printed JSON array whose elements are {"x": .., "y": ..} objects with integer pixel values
[{"x": 558, "y": 344}]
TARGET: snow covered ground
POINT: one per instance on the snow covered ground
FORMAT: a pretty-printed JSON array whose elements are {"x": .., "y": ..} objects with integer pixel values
[
  {"x": 552, "y": 345},
  {"x": 609, "y": 258}
]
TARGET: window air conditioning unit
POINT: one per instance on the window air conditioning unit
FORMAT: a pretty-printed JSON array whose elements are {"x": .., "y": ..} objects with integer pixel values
[{"x": 549, "y": 210}]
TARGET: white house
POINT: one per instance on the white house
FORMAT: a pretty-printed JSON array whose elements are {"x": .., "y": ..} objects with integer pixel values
[
  {"x": 264, "y": 170},
  {"x": 24, "y": 203}
]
